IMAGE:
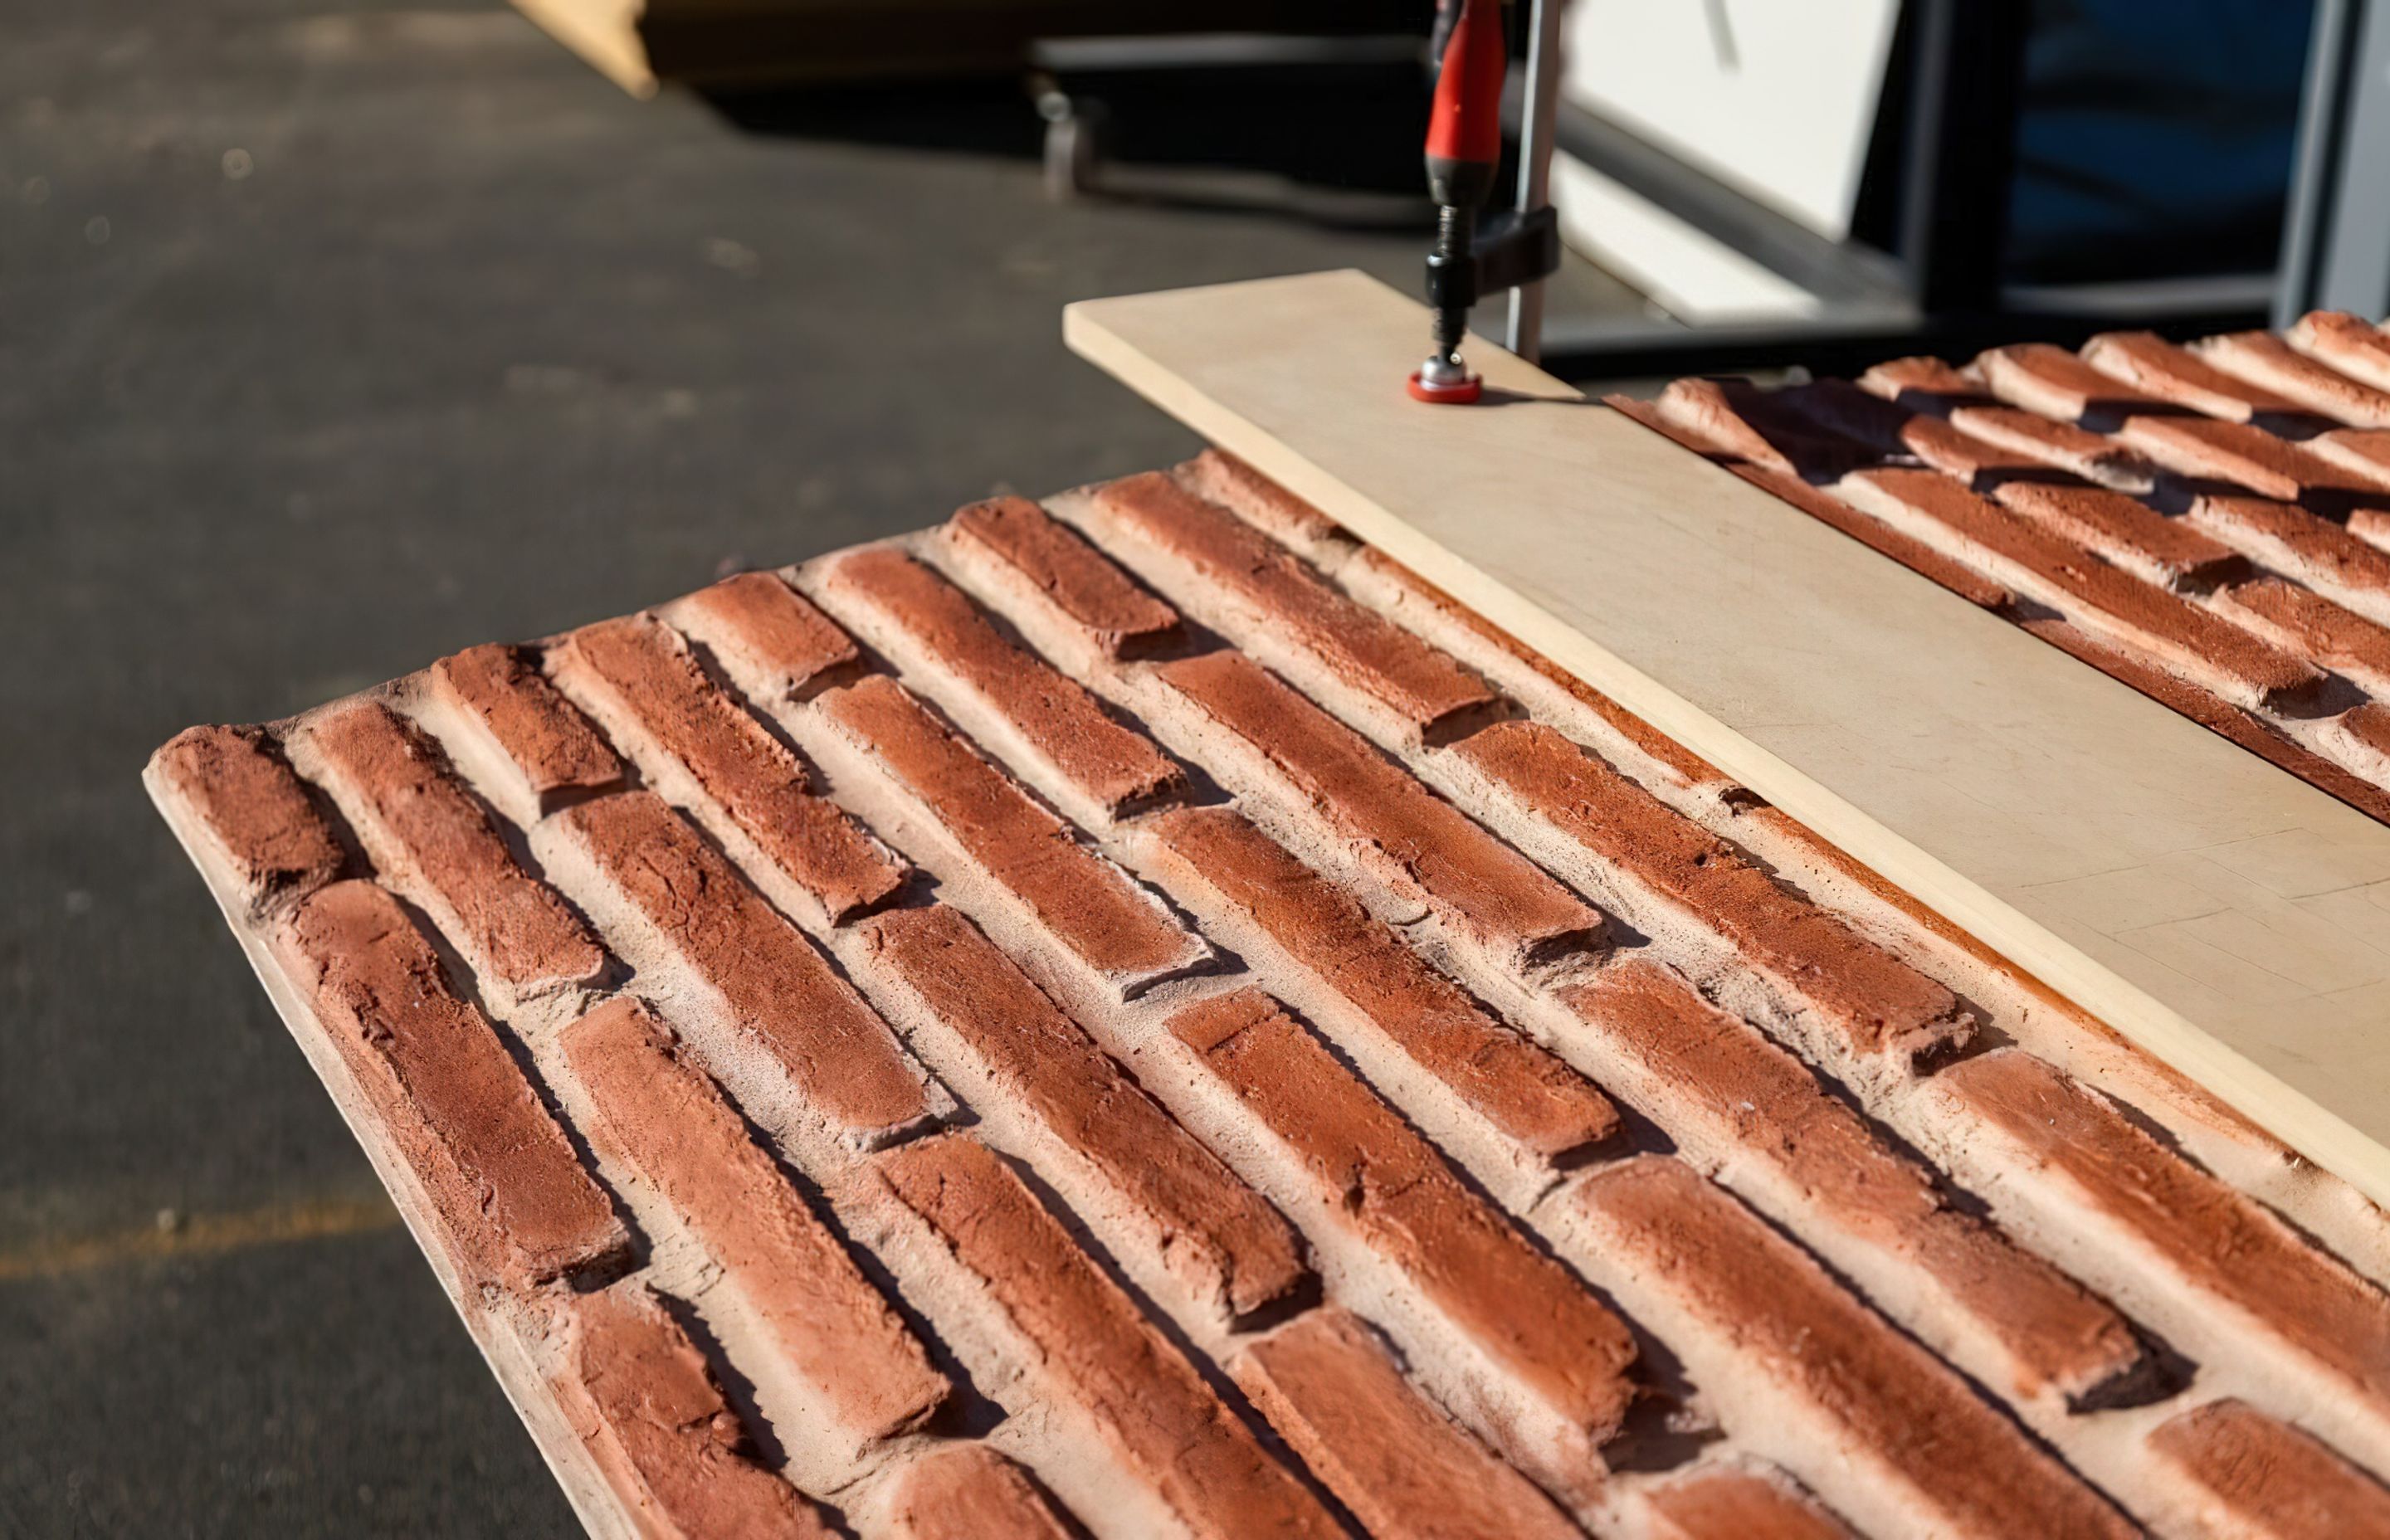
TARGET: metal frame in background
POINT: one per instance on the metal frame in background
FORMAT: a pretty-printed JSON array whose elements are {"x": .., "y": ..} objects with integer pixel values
[
  {"x": 1938, "y": 290},
  {"x": 1536, "y": 122},
  {"x": 2336, "y": 236}
]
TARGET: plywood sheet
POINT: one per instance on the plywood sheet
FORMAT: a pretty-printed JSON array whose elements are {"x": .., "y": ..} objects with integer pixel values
[{"x": 2225, "y": 916}]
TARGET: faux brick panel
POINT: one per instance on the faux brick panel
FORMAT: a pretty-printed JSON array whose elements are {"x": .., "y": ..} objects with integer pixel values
[
  {"x": 1848, "y": 417},
  {"x": 1459, "y": 627},
  {"x": 2124, "y": 531},
  {"x": 1110, "y": 765},
  {"x": 1874, "y": 534},
  {"x": 1749, "y": 424},
  {"x": 1096, "y": 1352},
  {"x": 2365, "y": 727},
  {"x": 1185, "y": 1214},
  {"x": 1922, "y": 383},
  {"x": 1989, "y": 448},
  {"x": 1887, "y": 1434},
  {"x": 2363, "y": 451},
  {"x": 1373, "y": 1178},
  {"x": 778, "y": 990},
  {"x": 1401, "y": 1468},
  {"x": 2198, "y": 450},
  {"x": 1728, "y": 1091},
  {"x": 503, "y": 1179},
  {"x": 2268, "y": 362},
  {"x": 1932, "y": 388},
  {"x": 864, "y": 1372},
  {"x": 2077, "y": 451},
  {"x": 1981, "y": 463},
  {"x": 1876, "y": 1003},
  {"x": 2051, "y": 382},
  {"x": 1424, "y": 601},
  {"x": 766, "y": 637},
  {"x": 1119, "y": 1154},
  {"x": 1258, "y": 585},
  {"x": 2349, "y": 343},
  {"x": 1221, "y": 478},
  {"x": 2306, "y": 623},
  {"x": 2304, "y": 545},
  {"x": 551, "y": 745},
  {"x": 430, "y": 833},
  {"x": 2233, "y": 662},
  {"x": 1728, "y": 1503},
  {"x": 2158, "y": 368},
  {"x": 643, "y": 1400},
  {"x": 1103, "y": 604},
  {"x": 1090, "y": 907},
  {"x": 1523, "y": 1095},
  {"x": 268, "y": 830},
  {"x": 1408, "y": 837},
  {"x": 2122, "y": 1189},
  {"x": 970, "y": 1492},
  {"x": 656, "y": 682},
  {"x": 2264, "y": 1478}
]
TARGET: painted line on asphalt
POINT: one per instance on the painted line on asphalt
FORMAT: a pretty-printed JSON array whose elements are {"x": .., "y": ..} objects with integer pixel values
[{"x": 197, "y": 1235}]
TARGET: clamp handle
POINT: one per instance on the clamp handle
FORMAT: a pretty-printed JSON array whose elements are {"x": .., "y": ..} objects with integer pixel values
[{"x": 1464, "y": 124}]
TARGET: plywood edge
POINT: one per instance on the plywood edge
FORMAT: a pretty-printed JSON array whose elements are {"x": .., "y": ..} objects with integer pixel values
[{"x": 2290, "y": 1115}]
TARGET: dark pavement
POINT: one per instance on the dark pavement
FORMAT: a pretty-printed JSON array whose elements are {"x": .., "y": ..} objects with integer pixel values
[{"x": 334, "y": 337}]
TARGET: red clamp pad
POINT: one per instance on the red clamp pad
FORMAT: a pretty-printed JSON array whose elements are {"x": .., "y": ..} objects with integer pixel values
[{"x": 1459, "y": 394}]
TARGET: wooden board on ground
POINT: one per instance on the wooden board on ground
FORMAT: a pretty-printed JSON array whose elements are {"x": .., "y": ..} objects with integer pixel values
[{"x": 2225, "y": 916}]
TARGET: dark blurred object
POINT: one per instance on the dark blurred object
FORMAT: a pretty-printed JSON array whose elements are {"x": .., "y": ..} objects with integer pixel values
[
  {"x": 2336, "y": 248},
  {"x": 755, "y": 43},
  {"x": 2040, "y": 171},
  {"x": 1323, "y": 132},
  {"x": 2155, "y": 137}
]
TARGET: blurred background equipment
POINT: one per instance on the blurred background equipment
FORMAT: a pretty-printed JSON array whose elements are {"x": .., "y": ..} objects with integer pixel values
[
  {"x": 1831, "y": 181},
  {"x": 1820, "y": 183},
  {"x": 717, "y": 43}
]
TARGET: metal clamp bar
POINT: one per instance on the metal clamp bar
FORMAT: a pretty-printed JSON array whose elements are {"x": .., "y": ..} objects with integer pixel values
[{"x": 1525, "y": 333}]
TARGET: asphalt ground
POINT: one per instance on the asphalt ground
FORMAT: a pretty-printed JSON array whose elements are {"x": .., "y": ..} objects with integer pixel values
[{"x": 334, "y": 337}]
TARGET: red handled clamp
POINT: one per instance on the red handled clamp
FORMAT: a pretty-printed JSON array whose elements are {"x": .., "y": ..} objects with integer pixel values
[{"x": 1464, "y": 153}]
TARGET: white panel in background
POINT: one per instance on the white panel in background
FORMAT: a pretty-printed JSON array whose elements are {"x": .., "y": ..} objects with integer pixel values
[
  {"x": 1775, "y": 97},
  {"x": 1692, "y": 277}
]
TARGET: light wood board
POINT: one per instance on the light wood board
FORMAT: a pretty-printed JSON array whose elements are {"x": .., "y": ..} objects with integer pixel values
[{"x": 2224, "y": 915}]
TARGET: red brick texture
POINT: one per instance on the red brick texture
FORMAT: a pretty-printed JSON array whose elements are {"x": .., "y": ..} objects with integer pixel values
[
  {"x": 928, "y": 1042},
  {"x": 1083, "y": 903},
  {"x": 500, "y": 692},
  {"x": 491, "y": 1158},
  {"x": 276, "y": 845},
  {"x": 773, "y": 985},
  {"x": 1334, "y": 1392},
  {"x": 669, "y": 1125},
  {"x": 1098, "y": 1356},
  {"x": 970, "y": 1492},
  {"x": 2209, "y": 523},
  {"x": 1123, "y": 1158},
  {"x": 429, "y": 833},
  {"x": 2259, "y": 1477},
  {"x": 640, "y": 1395},
  {"x": 938, "y": 627},
  {"x": 653, "y": 687}
]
